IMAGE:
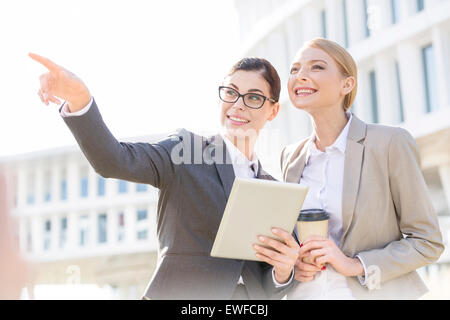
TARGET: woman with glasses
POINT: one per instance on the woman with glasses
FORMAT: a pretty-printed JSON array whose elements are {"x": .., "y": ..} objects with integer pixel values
[
  {"x": 382, "y": 225},
  {"x": 193, "y": 189}
]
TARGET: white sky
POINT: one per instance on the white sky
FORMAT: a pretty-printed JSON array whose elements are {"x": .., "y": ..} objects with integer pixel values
[{"x": 152, "y": 66}]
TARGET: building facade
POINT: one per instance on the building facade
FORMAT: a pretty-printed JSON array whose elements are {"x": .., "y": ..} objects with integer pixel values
[
  {"x": 78, "y": 228},
  {"x": 401, "y": 48}
]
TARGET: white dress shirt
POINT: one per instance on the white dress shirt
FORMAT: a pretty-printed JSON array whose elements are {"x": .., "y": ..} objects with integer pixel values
[
  {"x": 242, "y": 167},
  {"x": 324, "y": 175}
]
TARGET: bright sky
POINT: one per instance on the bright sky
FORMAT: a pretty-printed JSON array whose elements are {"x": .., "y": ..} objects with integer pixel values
[{"x": 152, "y": 66}]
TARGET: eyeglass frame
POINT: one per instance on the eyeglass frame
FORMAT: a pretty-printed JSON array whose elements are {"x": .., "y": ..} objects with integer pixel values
[{"x": 243, "y": 95}]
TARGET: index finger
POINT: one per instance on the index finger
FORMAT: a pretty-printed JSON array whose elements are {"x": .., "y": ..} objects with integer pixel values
[
  {"x": 286, "y": 236},
  {"x": 50, "y": 65}
]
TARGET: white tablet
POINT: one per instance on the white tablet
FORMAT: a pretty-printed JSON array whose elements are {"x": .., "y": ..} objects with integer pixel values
[{"x": 254, "y": 207}]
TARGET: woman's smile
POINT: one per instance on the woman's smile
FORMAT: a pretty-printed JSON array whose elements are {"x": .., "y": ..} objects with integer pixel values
[
  {"x": 237, "y": 120},
  {"x": 304, "y": 91}
]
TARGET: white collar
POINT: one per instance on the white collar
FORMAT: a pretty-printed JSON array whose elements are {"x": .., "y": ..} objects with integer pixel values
[
  {"x": 340, "y": 143},
  {"x": 237, "y": 157}
]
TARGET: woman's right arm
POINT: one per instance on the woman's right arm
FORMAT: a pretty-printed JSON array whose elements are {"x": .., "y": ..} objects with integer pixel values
[{"x": 137, "y": 162}]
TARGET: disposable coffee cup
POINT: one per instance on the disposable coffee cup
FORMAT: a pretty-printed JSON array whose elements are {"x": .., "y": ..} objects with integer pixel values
[{"x": 312, "y": 222}]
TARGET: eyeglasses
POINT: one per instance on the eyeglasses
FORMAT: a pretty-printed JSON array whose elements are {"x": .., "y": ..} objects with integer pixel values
[{"x": 251, "y": 100}]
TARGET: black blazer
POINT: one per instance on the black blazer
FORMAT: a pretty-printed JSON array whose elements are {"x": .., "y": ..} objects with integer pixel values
[{"x": 194, "y": 188}]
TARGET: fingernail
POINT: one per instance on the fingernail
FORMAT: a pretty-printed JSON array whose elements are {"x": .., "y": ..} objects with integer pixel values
[
  {"x": 301, "y": 245},
  {"x": 274, "y": 230},
  {"x": 323, "y": 268},
  {"x": 261, "y": 238}
]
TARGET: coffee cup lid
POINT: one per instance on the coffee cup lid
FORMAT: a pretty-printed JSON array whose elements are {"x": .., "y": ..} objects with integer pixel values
[{"x": 313, "y": 215}]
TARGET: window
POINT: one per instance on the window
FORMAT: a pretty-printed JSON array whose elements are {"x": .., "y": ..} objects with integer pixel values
[
  {"x": 29, "y": 239},
  {"x": 141, "y": 215},
  {"x": 64, "y": 185},
  {"x": 420, "y": 5},
  {"x": 63, "y": 233},
  {"x": 323, "y": 19},
  {"x": 101, "y": 186},
  {"x": 395, "y": 11},
  {"x": 84, "y": 230},
  {"x": 31, "y": 188},
  {"x": 142, "y": 224},
  {"x": 142, "y": 235},
  {"x": 123, "y": 186},
  {"x": 366, "y": 19},
  {"x": 102, "y": 228},
  {"x": 84, "y": 182},
  {"x": 344, "y": 10},
  {"x": 121, "y": 227},
  {"x": 141, "y": 187},
  {"x": 47, "y": 234},
  {"x": 47, "y": 186},
  {"x": 399, "y": 93},
  {"x": 373, "y": 96},
  {"x": 431, "y": 86}
]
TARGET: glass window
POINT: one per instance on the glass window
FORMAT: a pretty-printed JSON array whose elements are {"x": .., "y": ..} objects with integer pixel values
[
  {"x": 123, "y": 186},
  {"x": 420, "y": 5},
  {"x": 395, "y": 11},
  {"x": 64, "y": 185},
  {"x": 366, "y": 19},
  {"x": 142, "y": 224},
  {"x": 373, "y": 96},
  {"x": 121, "y": 227},
  {"x": 102, "y": 228},
  {"x": 399, "y": 93},
  {"x": 31, "y": 188},
  {"x": 141, "y": 215},
  {"x": 63, "y": 233},
  {"x": 323, "y": 19},
  {"x": 84, "y": 182},
  {"x": 47, "y": 185},
  {"x": 101, "y": 186},
  {"x": 84, "y": 230},
  {"x": 142, "y": 235},
  {"x": 141, "y": 187},
  {"x": 29, "y": 239},
  {"x": 47, "y": 234},
  {"x": 429, "y": 70}
]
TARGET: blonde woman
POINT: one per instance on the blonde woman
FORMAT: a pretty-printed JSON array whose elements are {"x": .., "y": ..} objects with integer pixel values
[{"x": 382, "y": 225}]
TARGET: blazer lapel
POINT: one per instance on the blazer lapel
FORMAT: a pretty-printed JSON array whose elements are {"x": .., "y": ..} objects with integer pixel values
[
  {"x": 295, "y": 168},
  {"x": 354, "y": 154},
  {"x": 223, "y": 163}
]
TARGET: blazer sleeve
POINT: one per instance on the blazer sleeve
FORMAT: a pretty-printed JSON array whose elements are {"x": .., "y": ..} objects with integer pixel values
[
  {"x": 148, "y": 163},
  {"x": 417, "y": 220}
]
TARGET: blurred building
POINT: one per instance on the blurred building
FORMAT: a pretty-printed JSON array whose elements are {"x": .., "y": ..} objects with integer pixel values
[
  {"x": 78, "y": 228},
  {"x": 402, "y": 51}
]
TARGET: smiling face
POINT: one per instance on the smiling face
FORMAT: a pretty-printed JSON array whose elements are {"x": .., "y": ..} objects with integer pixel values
[
  {"x": 237, "y": 118},
  {"x": 316, "y": 82}
]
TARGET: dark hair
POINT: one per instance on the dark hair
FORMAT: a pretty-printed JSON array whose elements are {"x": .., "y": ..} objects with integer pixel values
[{"x": 268, "y": 72}]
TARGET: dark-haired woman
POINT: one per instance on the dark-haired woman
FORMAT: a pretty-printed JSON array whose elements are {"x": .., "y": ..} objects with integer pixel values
[{"x": 193, "y": 190}]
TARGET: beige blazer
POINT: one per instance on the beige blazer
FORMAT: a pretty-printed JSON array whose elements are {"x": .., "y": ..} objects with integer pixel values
[{"x": 388, "y": 218}]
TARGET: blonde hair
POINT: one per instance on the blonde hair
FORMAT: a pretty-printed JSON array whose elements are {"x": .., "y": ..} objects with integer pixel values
[{"x": 343, "y": 59}]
